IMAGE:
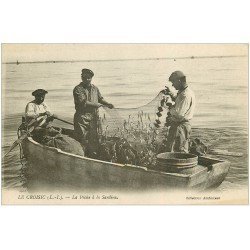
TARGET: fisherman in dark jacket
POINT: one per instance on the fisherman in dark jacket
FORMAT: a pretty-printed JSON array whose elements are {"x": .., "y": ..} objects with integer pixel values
[{"x": 88, "y": 99}]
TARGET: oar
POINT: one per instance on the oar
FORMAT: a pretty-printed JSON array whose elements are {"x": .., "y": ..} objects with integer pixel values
[
  {"x": 31, "y": 126},
  {"x": 17, "y": 142},
  {"x": 224, "y": 152},
  {"x": 64, "y": 121}
]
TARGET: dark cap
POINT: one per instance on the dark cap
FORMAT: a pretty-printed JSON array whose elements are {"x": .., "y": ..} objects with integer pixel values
[
  {"x": 176, "y": 75},
  {"x": 87, "y": 71},
  {"x": 39, "y": 92}
]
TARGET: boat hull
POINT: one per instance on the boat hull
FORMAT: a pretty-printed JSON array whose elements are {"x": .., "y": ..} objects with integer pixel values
[{"x": 85, "y": 173}]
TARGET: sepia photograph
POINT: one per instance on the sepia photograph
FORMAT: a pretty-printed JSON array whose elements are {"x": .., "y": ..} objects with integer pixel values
[{"x": 124, "y": 123}]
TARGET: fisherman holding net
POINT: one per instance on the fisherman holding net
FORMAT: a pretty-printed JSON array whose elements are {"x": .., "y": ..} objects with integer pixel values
[
  {"x": 88, "y": 99},
  {"x": 180, "y": 114}
]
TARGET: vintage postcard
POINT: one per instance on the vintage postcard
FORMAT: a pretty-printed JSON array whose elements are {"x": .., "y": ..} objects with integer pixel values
[{"x": 124, "y": 124}]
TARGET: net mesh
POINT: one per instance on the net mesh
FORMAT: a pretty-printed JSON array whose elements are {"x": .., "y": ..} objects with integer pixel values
[
  {"x": 123, "y": 121},
  {"x": 138, "y": 133}
]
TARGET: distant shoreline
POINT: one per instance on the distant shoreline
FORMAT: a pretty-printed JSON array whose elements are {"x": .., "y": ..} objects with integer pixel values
[{"x": 135, "y": 59}]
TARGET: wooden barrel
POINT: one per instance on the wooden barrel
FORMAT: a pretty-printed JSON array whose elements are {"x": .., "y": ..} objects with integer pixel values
[{"x": 174, "y": 162}]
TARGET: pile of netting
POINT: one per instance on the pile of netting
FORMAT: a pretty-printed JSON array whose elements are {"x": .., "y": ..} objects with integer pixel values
[
  {"x": 63, "y": 142},
  {"x": 134, "y": 135},
  {"x": 53, "y": 137}
]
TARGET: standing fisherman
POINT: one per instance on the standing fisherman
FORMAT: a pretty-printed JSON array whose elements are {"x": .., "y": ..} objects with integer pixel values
[
  {"x": 88, "y": 99},
  {"x": 180, "y": 114}
]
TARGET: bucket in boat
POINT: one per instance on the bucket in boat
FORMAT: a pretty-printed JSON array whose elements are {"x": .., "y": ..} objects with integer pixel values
[{"x": 175, "y": 162}]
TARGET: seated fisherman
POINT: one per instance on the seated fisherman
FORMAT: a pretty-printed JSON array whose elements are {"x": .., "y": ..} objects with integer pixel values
[{"x": 38, "y": 114}]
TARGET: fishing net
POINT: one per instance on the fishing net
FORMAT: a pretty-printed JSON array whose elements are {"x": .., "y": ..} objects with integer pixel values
[
  {"x": 123, "y": 121},
  {"x": 134, "y": 135}
]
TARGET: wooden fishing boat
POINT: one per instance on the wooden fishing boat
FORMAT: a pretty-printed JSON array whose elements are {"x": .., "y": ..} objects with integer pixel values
[{"x": 91, "y": 174}]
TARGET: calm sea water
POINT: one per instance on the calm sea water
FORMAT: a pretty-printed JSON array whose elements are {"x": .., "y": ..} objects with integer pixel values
[{"x": 220, "y": 85}]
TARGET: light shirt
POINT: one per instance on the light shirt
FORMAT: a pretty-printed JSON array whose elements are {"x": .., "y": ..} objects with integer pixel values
[
  {"x": 183, "y": 110},
  {"x": 33, "y": 110}
]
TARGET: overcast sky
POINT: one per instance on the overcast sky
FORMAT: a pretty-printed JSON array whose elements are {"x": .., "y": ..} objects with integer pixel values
[{"x": 57, "y": 52}]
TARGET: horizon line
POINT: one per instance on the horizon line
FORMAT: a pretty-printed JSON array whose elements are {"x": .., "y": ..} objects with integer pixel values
[{"x": 129, "y": 59}]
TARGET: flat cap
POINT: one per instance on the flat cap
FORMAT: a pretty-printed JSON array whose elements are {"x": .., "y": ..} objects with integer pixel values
[
  {"x": 39, "y": 92},
  {"x": 87, "y": 71},
  {"x": 176, "y": 75}
]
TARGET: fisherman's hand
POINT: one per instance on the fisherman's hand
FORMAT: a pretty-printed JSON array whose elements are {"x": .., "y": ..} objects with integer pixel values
[
  {"x": 110, "y": 106},
  {"x": 169, "y": 92},
  {"x": 54, "y": 116},
  {"x": 50, "y": 118},
  {"x": 41, "y": 114},
  {"x": 99, "y": 105},
  {"x": 163, "y": 91},
  {"x": 48, "y": 113}
]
